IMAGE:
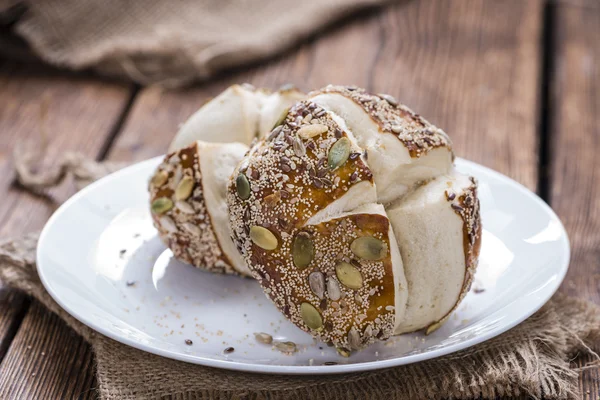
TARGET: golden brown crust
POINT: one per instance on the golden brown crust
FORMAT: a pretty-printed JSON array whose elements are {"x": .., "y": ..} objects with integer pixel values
[
  {"x": 467, "y": 207},
  {"x": 415, "y": 132},
  {"x": 186, "y": 227},
  {"x": 291, "y": 180}
]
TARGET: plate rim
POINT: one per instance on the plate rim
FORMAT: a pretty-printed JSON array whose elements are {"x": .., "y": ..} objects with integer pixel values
[{"x": 304, "y": 369}]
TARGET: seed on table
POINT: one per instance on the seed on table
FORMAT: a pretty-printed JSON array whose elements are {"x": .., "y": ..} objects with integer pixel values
[
  {"x": 311, "y": 316},
  {"x": 184, "y": 188},
  {"x": 369, "y": 248},
  {"x": 349, "y": 275},
  {"x": 263, "y": 337},
  {"x": 262, "y": 237},
  {"x": 242, "y": 186},
  {"x": 339, "y": 153},
  {"x": 161, "y": 205},
  {"x": 303, "y": 250}
]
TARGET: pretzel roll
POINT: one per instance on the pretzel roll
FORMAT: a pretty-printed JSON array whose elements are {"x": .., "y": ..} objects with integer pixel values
[
  {"x": 403, "y": 148},
  {"x": 187, "y": 201},
  {"x": 438, "y": 232},
  {"x": 239, "y": 114}
]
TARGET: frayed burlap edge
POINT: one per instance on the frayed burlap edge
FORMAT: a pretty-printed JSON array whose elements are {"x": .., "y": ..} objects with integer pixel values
[{"x": 531, "y": 359}]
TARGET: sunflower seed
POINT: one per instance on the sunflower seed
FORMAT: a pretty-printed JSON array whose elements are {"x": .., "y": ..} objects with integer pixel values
[
  {"x": 311, "y": 316},
  {"x": 184, "y": 207},
  {"x": 184, "y": 188},
  {"x": 263, "y": 337},
  {"x": 333, "y": 289},
  {"x": 168, "y": 224},
  {"x": 264, "y": 238},
  {"x": 339, "y": 153},
  {"x": 160, "y": 178},
  {"x": 388, "y": 98},
  {"x": 161, "y": 205},
  {"x": 281, "y": 118},
  {"x": 354, "y": 338},
  {"x": 309, "y": 131},
  {"x": 369, "y": 248},
  {"x": 298, "y": 147},
  {"x": 343, "y": 352},
  {"x": 242, "y": 186},
  {"x": 303, "y": 250},
  {"x": 316, "y": 281},
  {"x": 191, "y": 228},
  {"x": 349, "y": 275}
]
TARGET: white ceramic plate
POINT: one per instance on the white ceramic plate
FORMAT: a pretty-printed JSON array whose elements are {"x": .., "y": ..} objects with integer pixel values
[{"x": 101, "y": 260}]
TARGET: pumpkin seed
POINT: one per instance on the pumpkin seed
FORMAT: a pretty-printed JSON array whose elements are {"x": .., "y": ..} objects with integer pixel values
[
  {"x": 281, "y": 118},
  {"x": 168, "y": 224},
  {"x": 339, "y": 153},
  {"x": 309, "y": 131},
  {"x": 286, "y": 347},
  {"x": 311, "y": 316},
  {"x": 316, "y": 281},
  {"x": 184, "y": 188},
  {"x": 354, "y": 338},
  {"x": 242, "y": 186},
  {"x": 264, "y": 238},
  {"x": 369, "y": 248},
  {"x": 263, "y": 337},
  {"x": 161, "y": 205},
  {"x": 349, "y": 275},
  {"x": 160, "y": 178},
  {"x": 333, "y": 290},
  {"x": 303, "y": 250}
]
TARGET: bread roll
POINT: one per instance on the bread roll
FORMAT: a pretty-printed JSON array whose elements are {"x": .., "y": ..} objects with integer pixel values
[
  {"x": 315, "y": 215},
  {"x": 239, "y": 114},
  {"x": 187, "y": 198}
]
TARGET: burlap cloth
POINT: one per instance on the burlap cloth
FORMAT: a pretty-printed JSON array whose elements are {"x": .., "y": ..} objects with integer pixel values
[
  {"x": 166, "y": 42},
  {"x": 532, "y": 359}
]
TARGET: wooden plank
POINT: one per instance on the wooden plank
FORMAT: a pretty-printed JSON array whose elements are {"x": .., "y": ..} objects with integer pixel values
[
  {"x": 471, "y": 67},
  {"x": 81, "y": 113},
  {"x": 574, "y": 147}
]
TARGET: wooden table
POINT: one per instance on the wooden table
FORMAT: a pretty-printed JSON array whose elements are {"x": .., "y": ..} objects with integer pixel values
[{"x": 516, "y": 83}]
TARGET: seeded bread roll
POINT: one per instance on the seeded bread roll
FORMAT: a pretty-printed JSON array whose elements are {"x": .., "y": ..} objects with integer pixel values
[
  {"x": 438, "y": 232},
  {"x": 187, "y": 197},
  {"x": 239, "y": 114},
  {"x": 308, "y": 210},
  {"x": 403, "y": 148}
]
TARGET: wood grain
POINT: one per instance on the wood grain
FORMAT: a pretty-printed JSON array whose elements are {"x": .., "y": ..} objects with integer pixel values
[
  {"x": 574, "y": 148},
  {"x": 471, "y": 67},
  {"x": 81, "y": 113}
]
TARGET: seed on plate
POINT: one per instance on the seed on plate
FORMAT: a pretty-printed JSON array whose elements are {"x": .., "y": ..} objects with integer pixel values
[
  {"x": 311, "y": 316},
  {"x": 339, "y": 153},
  {"x": 184, "y": 188},
  {"x": 229, "y": 350},
  {"x": 349, "y": 275},
  {"x": 316, "y": 281},
  {"x": 168, "y": 224},
  {"x": 188, "y": 342},
  {"x": 161, "y": 205},
  {"x": 242, "y": 186},
  {"x": 309, "y": 131},
  {"x": 369, "y": 248},
  {"x": 263, "y": 337},
  {"x": 262, "y": 237},
  {"x": 343, "y": 352},
  {"x": 303, "y": 250},
  {"x": 333, "y": 290},
  {"x": 286, "y": 347},
  {"x": 184, "y": 207},
  {"x": 329, "y": 363},
  {"x": 160, "y": 178}
]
